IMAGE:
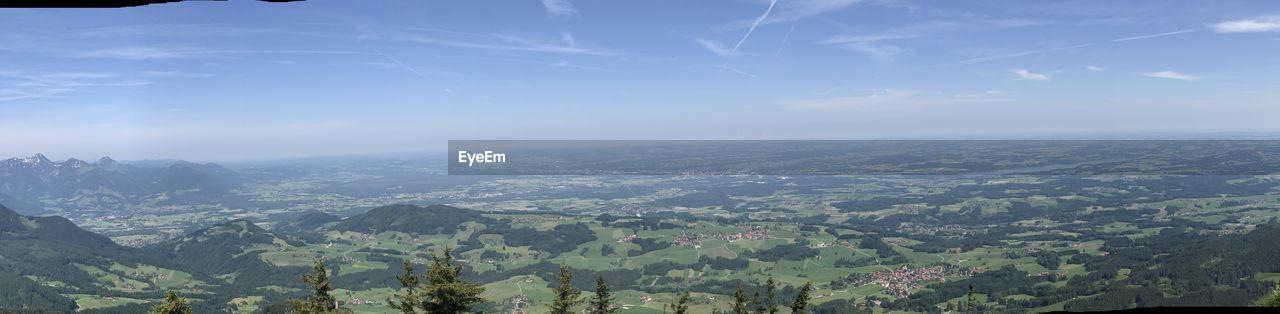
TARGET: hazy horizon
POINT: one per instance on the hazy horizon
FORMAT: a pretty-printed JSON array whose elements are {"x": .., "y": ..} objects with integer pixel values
[{"x": 218, "y": 81}]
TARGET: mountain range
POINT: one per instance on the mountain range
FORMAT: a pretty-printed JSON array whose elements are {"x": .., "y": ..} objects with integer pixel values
[{"x": 28, "y": 184}]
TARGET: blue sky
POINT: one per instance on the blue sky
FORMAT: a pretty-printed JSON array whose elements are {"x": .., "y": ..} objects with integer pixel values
[{"x": 249, "y": 80}]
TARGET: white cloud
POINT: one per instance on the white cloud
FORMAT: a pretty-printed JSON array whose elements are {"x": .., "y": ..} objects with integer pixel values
[
  {"x": 873, "y": 46},
  {"x": 891, "y": 98},
  {"x": 1172, "y": 75},
  {"x": 565, "y": 43},
  {"x": 1094, "y": 68},
  {"x": 881, "y": 53},
  {"x": 560, "y": 8},
  {"x": 175, "y": 74},
  {"x": 1268, "y": 24},
  {"x": 24, "y": 85},
  {"x": 880, "y": 45},
  {"x": 716, "y": 47},
  {"x": 885, "y": 97},
  {"x": 8, "y": 94},
  {"x": 133, "y": 53},
  {"x": 1032, "y": 76},
  {"x": 567, "y": 64},
  {"x": 793, "y": 10},
  {"x": 568, "y": 39}
]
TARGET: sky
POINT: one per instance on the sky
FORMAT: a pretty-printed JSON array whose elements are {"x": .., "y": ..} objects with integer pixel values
[{"x": 245, "y": 80}]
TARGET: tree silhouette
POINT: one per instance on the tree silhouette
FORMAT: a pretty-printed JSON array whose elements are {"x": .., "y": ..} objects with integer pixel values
[
  {"x": 445, "y": 291},
  {"x": 740, "y": 302},
  {"x": 756, "y": 306},
  {"x": 771, "y": 296},
  {"x": 320, "y": 301},
  {"x": 602, "y": 302},
  {"x": 172, "y": 305},
  {"x": 682, "y": 304},
  {"x": 409, "y": 302},
  {"x": 802, "y": 299},
  {"x": 566, "y": 296}
]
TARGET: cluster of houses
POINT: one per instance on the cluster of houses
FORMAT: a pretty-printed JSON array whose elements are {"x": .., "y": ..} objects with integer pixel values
[
  {"x": 937, "y": 230},
  {"x": 627, "y": 239},
  {"x": 360, "y": 301},
  {"x": 903, "y": 281},
  {"x": 138, "y": 274},
  {"x": 749, "y": 232}
]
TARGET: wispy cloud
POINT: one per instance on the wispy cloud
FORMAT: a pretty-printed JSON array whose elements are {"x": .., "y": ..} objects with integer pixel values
[
  {"x": 1156, "y": 35},
  {"x": 10, "y": 94},
  {"x": 882, "y": 98},
  {"x": 1172, "y": 76},
  {"x": 402, "y": 65},
  {"x": 166, "y": 74},
  {"x": 724, "y": 67},
  {"x": 715, "y": 47},
  {"x": 567, "y": 64},
  {"x": 149, "y": 53},
  {"x": 1021, "y": 54},
  {"x": 1094, "y": 68},
  {"x": 134, "y": 53},
  {"x": 1030, "y": 76},
  {"x": 23, "y": 85},
  {"x": 565, "y": 43},
  {"x": 881, "y": 53},
  {"x": 794, "y": 10},
  {"x": 873, "y": 46},
  {"x": 786, "y": 37},
  {"x": 1268, "y": 24},
  {"x": 560, "y": 8},
  {"x": 882, "y": 45},
  {"x": 754, "y": 24},
  {"x": 891, "y": 98}
]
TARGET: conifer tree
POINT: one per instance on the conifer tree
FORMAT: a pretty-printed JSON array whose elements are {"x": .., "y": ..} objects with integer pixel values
[
  {"x": 970, "y": 306},
  {"x": 320, "y": 301},
  {"x": 172, "y": 305},
  {"x": 682, "y": 304},
  {"x": 409, "y": 302},
  {"x": 771, "y": 296},
  {"x": 445, "y": 291},
  {"x": 602, "y": 302},
  {"x": 740, "y": 302},
  {"x": 566, "y": 296},
  {"x": 756, "y": 306},
  {"x": 801, "y": 303}
]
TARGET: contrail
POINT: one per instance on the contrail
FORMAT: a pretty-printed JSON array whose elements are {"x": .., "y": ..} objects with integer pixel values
[
  {"x": 785, "y": 37},
  {"x": 754, "y": 24},
  {"x": 1154, "y": 35},
  {"x": 406, "y": 66}
]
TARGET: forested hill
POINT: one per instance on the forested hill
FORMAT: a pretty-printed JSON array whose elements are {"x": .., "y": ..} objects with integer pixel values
[
  {"x": 57, "y": 230},
  {"x": 306, "y": 222},
  {"x": 435, "y": 219},
  {"x": 45, "y": 247},
  {"x": 233, "y": 248}
]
